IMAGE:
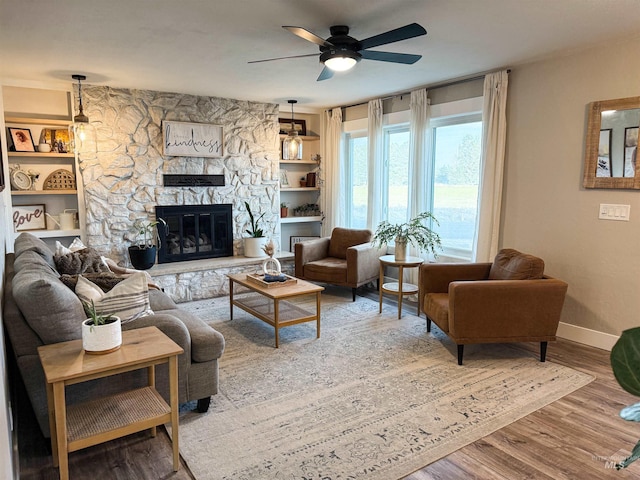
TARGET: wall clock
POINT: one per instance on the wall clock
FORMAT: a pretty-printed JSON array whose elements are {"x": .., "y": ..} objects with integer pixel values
[{"x": 20, "y": 180}]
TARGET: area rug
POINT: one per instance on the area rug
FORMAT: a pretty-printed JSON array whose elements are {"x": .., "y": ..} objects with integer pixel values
[{"x": 374, "y": 398}]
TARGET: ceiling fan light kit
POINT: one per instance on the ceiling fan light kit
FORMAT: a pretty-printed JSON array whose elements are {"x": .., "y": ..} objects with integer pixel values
[{"x": 340, "y": 52}]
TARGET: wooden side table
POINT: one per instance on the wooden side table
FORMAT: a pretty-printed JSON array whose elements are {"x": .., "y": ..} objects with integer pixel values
[
  {"x": 99, "y": 420},
  {"x": 398, "y": 288}
]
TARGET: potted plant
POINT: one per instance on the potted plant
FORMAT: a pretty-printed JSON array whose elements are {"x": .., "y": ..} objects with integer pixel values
[
  {"x": 100, "y": 333},
  {"x": 413, "y": 232},
  {"x": 625, "y": 363},
  {"x": 253, "y": 246},
  {"x": 143, "y": 252},
  {"x": 284, "y": 210},
  {"x": 303, "y": 181}
]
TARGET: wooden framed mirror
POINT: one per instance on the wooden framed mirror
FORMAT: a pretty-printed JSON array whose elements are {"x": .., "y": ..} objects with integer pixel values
[{"x": 612, "y": 144}]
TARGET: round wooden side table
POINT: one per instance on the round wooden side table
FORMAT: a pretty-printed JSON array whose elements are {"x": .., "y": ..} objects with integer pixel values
[{"x": 398, "y": 288}]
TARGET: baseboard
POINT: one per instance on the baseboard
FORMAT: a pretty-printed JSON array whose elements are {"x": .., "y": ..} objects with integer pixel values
[{"x": 587, "y": 336}]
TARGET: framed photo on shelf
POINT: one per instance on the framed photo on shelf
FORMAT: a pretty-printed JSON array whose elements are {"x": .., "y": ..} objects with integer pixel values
[
  {"x": 29, "y": 217},
  {"x": 293, "y": 240},
  {"x": 22, "y": 140},
  {"x": 284, "y": 179},
  {"x": 300, "y": 126}
]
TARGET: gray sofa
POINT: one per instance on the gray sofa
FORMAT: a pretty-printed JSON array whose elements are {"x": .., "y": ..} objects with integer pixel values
[{"x": 38, "y": 308}]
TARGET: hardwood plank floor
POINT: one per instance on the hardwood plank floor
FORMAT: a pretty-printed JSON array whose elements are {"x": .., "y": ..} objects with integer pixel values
[{"x": 572, "y": 438}]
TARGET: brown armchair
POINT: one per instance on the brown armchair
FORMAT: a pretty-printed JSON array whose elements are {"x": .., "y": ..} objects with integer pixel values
[
  {"x": 509, "y": 300},
  {"x": 347, "y": 258}
]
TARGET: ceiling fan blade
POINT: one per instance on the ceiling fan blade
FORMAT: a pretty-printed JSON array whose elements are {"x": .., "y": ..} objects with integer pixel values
[
  {"x": 402, "y": 33},
  {"x": 390, "y": 57},
  {"x": 309, "y": 36},
  {"x": 325, "y": 74},
  {"x": 284, "y": 58}
]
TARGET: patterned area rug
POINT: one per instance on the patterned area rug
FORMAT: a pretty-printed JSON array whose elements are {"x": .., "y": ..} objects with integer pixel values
[{"x": 374, "y": 398}]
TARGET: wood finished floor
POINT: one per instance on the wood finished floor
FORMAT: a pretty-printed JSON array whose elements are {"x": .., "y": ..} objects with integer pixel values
[{"x": 571, "y": 438}]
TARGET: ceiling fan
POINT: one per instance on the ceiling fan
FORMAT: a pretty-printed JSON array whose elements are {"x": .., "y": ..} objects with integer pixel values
[{"x": 341, "y": 52}]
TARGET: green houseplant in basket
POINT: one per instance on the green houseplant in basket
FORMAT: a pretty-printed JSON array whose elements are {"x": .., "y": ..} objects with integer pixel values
[{"x": 414, "y": 232}]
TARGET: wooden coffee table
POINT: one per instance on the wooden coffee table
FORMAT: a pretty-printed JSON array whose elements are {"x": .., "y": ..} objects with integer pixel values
[{"x": 270, "y": 304}]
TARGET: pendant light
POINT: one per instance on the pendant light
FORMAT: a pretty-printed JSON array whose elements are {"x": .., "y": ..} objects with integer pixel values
[
  {"x": 83, "y": 132},
  {"x": 292, "y": 144}
]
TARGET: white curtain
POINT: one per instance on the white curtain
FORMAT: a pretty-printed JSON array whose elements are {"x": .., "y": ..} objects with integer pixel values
[
  {"x": 333, "y": 201},
  {"x": 375, "y": 213},
  {"x": 494, "y": 130},
  {"x": 419, "y": 165}
]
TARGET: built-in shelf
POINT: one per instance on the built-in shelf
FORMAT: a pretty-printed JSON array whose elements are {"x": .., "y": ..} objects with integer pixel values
[
  {"x": 301, "y": 219},
  {"x": 38, "y": 121},
  {"x": 298, "y": 189},
  {"x": 76, "y": 232},
  {"x": 40, "y": 154},
  {"x": 300, "y": 162},
  {"x": 309, "y": 138},
  {"x": 44, "y": 192}
]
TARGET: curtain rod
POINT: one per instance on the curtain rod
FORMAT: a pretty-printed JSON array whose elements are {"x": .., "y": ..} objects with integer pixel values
[{"x": 449, "y": 83}]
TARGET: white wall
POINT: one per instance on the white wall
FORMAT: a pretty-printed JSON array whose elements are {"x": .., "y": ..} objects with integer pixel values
[
  {"x": 546, "y": 210},
  {"x": 6, "y": 449}
]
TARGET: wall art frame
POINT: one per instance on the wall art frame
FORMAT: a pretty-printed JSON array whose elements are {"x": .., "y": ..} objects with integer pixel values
[
  {"x": 300, "y": 126},
  {"x": 298, "y": 239},
  {"x": 29, "y": 217},
  {"x": 184, "y": 139},
  {"x": 21, "y": 139}
]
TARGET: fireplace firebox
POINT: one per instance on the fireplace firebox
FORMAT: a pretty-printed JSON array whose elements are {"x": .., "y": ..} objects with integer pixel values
[{"x": 192, "y": 232}]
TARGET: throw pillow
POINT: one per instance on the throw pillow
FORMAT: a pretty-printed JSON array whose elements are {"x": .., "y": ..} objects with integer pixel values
[
  {"x": 74, "y": 247},
  {"x": 86, "y": 260},
  {"x": 128, "y": 300},
  {"x": 510, "y": 264}
]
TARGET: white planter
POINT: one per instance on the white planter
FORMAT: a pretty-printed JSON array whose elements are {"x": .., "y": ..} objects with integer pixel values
[
  {"x": 253, "y": 247},
  {"x": 102, "y": 338}
]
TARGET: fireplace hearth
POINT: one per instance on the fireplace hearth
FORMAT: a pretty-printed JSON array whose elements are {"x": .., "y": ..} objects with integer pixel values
[{"x": 192, "y": 232}]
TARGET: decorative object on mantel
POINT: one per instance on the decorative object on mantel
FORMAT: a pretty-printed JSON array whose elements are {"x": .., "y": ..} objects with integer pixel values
[
  {"x": 292, "y": 144},
  {"x": 413, "y": 232},
  {"x": 254, "y": 245},
  {"x": 60, "y": 179},
  {"x": 81, "y": 133}
]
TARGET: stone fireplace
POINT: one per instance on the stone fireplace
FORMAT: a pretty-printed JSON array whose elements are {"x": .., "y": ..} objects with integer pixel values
[
  {"x": 129, "y": 176},
  {"x": 193, "y": 232}
]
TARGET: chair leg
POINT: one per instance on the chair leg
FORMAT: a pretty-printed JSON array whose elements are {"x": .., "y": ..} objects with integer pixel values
[
  {"x": 428, "y": 324},
  {"x": 353, "y": 292},
  {"x": 460, "y": 352},
  {"x": 543, "y": 351}
]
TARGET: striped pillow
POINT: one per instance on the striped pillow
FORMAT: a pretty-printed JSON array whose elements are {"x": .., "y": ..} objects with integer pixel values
[{"x": 128, "y": 300}]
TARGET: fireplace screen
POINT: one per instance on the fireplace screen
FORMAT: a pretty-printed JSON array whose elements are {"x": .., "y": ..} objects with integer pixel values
[{"x": 194, "y": 231}]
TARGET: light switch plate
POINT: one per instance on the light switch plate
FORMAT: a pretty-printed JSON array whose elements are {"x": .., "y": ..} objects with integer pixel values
[{"x": 610, "y": 211}]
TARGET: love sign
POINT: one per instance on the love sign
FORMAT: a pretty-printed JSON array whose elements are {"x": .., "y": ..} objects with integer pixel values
[{"x": 29, "y": 217}]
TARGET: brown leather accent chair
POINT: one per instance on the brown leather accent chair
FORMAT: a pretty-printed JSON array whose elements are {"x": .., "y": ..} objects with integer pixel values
[
  {"x": 347, "y": 258},
  {"x": 509, "y": 300}
]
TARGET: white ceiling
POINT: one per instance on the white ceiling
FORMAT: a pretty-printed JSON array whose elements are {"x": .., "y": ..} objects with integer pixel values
[{"x": 202, "y": 46}]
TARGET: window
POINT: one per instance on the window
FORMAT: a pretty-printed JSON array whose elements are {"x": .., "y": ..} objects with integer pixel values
[
  {"x": 457, "y": 151},
  {"x": 356, "y": 176},
  {"x": 451, "y": 189}
]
